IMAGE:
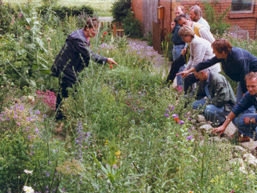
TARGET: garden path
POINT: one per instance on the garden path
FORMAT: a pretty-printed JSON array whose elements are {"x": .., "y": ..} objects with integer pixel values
[{"x": 161, "y": 64}]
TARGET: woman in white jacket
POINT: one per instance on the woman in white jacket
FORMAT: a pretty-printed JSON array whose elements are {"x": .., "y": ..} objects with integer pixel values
[{"x": 200, "y": 50}]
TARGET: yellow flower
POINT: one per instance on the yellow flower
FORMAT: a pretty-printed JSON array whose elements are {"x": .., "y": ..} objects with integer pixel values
[
  {"x": 117, "y": 154},
  {"x": 106, "y": 142}
]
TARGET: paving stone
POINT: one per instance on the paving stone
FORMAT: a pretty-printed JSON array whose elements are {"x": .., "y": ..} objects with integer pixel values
[
  {"x": 207, "y": 128},
  {"x": 250, "y": 145},
  {"x": 230, "y": 130},
  {"x": 200, "y": 118},
  {"x": 250, "y": 159}
]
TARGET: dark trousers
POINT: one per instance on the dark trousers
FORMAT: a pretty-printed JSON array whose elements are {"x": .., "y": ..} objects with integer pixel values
[
  {"x": 179, "y": 62},
  {"x": 189, "y": 81},
  {"x": 62, "y": 93}
]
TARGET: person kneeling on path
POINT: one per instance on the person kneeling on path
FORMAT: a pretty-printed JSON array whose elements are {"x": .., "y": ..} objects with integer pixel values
[
  {"x": 216, "y": 93},
  {"x": 246, "y": 122},
  {"x": 73, "y": 58}
]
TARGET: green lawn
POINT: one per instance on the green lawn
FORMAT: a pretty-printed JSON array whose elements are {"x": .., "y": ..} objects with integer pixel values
[{"x": 102, "y": 7}]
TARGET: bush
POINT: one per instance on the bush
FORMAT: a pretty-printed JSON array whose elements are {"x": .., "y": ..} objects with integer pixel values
[
  {"x": 132, "y": 26},
  {"x": 62, "y": 11},
  {"x": 6, "y": 17},
  {"x": 216, "y": 21},
  {"x": 120, "y": 10}
]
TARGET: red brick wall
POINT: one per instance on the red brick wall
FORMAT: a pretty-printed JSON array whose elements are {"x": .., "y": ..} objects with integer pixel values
[
  {"x": 246, "y": 21},
  {"x": 137, "y": 7}
]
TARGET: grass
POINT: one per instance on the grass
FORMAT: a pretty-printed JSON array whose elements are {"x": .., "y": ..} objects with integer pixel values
[{"x": 101, "y": 7}]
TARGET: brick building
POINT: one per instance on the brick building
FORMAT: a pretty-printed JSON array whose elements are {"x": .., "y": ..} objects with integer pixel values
[{"x": 242, "y": 13}]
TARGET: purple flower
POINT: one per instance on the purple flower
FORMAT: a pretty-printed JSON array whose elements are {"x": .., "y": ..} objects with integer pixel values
[
  {"x": 181, "y": 122},
  {"x": 171, "y": 107},
  {"x": 166, "y": 115},
  {"x": 167, "y": 110},
  {"x": 176, "y": 135},
  {"x": 189, "y": 137},
  {"x": 37, "y": 112},
  {"x": 175, "y": 115},
  {"x": 36, "y": 130}
]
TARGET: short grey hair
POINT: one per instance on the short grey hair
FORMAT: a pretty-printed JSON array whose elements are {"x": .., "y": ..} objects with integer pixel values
[
  {"x": 197, "y": 10},
  {"x": 186, "y": 31}
]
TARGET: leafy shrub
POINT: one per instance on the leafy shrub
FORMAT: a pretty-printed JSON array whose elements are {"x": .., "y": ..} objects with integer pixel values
[
  {"x": 63, "y": 12},
  {"x": 121, "y": 12},
  {"x": 132, "y": 26},
  {"x": 217, "y": 21},
  {"x": 6, "y": 17},
  {"x": 120, "y": 9}
]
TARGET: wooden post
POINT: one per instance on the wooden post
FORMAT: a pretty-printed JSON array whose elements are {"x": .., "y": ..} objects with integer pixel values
[{"x": 114, "y": 30}]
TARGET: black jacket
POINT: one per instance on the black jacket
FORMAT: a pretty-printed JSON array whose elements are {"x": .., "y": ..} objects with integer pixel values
[
  {"x": 74, "y": 57},
  {"x": 239, "y": 62}
]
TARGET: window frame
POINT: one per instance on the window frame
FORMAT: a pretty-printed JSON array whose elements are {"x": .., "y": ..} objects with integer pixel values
[{"x": 244, "y": 11}]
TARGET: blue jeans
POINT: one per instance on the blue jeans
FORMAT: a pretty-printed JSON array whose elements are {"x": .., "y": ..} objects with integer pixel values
[
  {"x": 176, "y": 52},
  {"x": 179, "y": 77},
  {"x": 211, "y": 112},
  {"x": 248, "y": 130}
]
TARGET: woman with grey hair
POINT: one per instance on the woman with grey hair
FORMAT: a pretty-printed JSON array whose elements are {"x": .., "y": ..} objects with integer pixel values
[{"x": 200, "y": 50}]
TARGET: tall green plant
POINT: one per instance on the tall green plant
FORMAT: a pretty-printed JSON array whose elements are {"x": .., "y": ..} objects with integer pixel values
[{"x": 216, "y": 20}]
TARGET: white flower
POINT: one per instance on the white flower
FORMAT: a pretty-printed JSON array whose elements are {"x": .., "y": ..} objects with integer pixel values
[
  {"x": 31, "y": 99},
  {"x": 28, "y": 189},
  {"x": 28, "y": 171}
]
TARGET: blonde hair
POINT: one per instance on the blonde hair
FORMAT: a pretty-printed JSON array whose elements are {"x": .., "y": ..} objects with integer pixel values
[{"x": 186, "y": 31}]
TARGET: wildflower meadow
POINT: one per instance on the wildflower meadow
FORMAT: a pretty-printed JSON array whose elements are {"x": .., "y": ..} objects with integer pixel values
[{"x": 125, "y": 129}]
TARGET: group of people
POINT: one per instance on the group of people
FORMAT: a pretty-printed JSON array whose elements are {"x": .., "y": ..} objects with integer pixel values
[{"x": 197, "y": 62}]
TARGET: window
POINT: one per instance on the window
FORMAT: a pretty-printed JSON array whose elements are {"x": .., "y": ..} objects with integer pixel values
[{"x": 242, "y": 5}]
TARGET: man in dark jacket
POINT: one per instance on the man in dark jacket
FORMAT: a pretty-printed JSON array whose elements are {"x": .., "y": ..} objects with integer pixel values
[
  {"x": 73, "y": 58},
  {"x": 216, "y": 93},
  {"x": 178, "y": 43},
  {"x": 236, "y": 63}
]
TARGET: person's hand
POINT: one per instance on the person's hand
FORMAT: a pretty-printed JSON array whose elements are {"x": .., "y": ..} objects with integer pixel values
[
  {"x": 248, "y": 120},
  {"x": 111, "y": 61},
  {"x": 172, "y": 25},
  {"x": 184, "y": 73},
  {"x": 183, "y": 52},
  {"x": 219, "y": 130}
]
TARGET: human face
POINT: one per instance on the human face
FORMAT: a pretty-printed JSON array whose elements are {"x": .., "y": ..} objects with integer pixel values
[
  {"x": 187, "y": 39},
  {"x": 219, "y": 55},
  {"x": 193, "y": 16},
  {"x": 178, "y": 12},
  {"x": 183, "y": 21},
  {"x": 251, "y": 86},
  {"x": 91, "y": 32}
]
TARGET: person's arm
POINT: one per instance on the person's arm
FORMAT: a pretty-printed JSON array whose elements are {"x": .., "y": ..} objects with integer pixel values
[
  {"x": 185, "y": 73},
  {"x": 223, "y": 127},
  {"x": 244, "y": 104},
  {"x": 86, "y": 51},
  {"x": 206, "y": 34},
  {"x": 200, "y": 66}
]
